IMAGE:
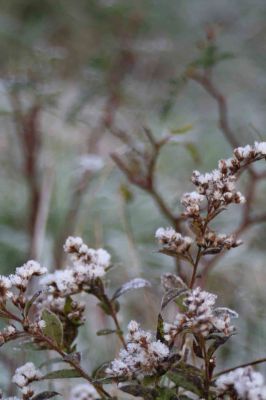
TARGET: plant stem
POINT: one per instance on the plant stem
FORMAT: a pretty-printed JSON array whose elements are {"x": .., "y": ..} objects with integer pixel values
[
  {"x": 114, "y": 317},
  {"x": 71, "y": 362},
  {"x": 195, "y": 266},
  {"x": 225, "y": 371}
]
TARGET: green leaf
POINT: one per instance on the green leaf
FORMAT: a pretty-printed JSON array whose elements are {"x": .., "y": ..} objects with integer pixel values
[
  {"x": 45, "y": 395},
  {"x": 53, "y": 328},
  {"x": 182, "y": 129},
  {"x": 193, "y": 151},
  {"x": 103, "y": 332},
  {"x": 188, "y": 377},
  {"x": 139, "y": 391},
  {"x": 166, "y": 394},
  {"x": 126, "y": 193},
  {"x": 62, "y": 374}
]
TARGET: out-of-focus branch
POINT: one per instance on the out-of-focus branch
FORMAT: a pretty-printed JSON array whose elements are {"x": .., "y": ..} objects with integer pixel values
[
  {"x": 27, "y": 127},
  {"x": 206, "y": 82},
  {"x": 147, "y": 181},
  {"x": 122, "y": 65}
]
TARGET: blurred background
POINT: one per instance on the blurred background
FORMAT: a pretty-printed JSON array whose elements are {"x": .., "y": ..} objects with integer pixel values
[{"x": 83, "y": 87}]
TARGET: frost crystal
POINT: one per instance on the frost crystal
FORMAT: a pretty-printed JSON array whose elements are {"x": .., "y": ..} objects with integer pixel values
[{"x": 142, "y": 355}]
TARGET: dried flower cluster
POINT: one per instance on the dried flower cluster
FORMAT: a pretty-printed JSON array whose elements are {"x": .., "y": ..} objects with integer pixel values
[
  {"x": 243, "y": 383},
  {"x": 89, "y": 264},
  {"x": 24, "y": 376},
  {"x": 173, "y": 241},
  {"x": 142, "y": 355},
  {"x": 200, "y": 316}
]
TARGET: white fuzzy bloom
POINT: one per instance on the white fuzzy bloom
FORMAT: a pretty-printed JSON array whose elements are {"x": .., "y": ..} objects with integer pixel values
[
  {"x": 244, "y": 382},
  {"x": 142, "y": 355},
  {"x": 24, "y": 273},
  {"x": 29, "y": 269},
  {"x": 88, "y": 263},
  {"x": 260, "y": 148},
  {"x": 26, "y": 374},
  {"x": 172, "y": 240},
  {"x": 83, "y": 391},
  {"x": 201, "y": 316},
  {"x": 73, "y": 244},
  {"x": 62, "y": 281},
  {"x": 5, "y": 285}
]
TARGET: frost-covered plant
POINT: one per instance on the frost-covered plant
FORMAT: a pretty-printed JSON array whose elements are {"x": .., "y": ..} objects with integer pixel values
[{"x": 177, "y": 360}]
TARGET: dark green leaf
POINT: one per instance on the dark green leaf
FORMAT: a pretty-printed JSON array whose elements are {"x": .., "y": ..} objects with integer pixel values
[
  {"x": 219, "y": 341},
  {"x": 166, "y": 394},
  {"x": 62, "y": 374},
  {"x": 53, "y": 328},
  {"x": 139, "y": 391},
  {"x": 187, "y": 377},
  {"x": 45, "y": 395}
]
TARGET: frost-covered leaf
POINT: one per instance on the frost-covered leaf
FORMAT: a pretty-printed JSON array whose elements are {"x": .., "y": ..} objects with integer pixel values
[
  {"x": 136, "y": 283},
  {"x": 171, "y": 295},
  {"x": 220, "y": 311},
  {"x": 45, "y": 395},
  {"x": 172, "y": 281},
  {"x": 53, "y": 328},
  {"x": 62, "y": 374}
]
